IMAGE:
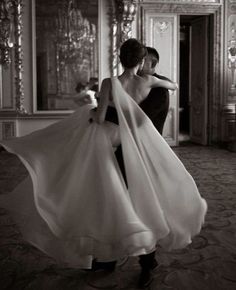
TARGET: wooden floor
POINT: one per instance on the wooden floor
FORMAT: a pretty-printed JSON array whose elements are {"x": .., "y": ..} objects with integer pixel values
[{"x": 209, "y": 263}]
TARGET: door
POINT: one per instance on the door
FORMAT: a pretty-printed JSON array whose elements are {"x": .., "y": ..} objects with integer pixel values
[
  {"x": 161, "y": 32},
  {"x": 198, "y": 91}
]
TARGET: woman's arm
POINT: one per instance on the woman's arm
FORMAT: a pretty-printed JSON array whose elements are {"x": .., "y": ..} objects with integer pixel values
[
  {"x": 156, "y": 82},
  {"x": 103, "y": 101}
]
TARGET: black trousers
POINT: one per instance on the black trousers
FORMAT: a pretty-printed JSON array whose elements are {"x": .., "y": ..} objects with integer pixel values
[
  {"x": 146, "y": 261},
  {"x": 120, "y": 160}
]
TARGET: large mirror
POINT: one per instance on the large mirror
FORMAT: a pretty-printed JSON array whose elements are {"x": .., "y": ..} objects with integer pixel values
[{"x": 66, "y": 49}]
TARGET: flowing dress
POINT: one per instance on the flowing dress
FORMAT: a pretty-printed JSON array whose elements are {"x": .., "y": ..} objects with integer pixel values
[{"x": 77, "y": 207}]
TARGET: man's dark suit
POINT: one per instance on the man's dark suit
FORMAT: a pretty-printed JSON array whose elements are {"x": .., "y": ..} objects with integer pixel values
[{"x": 156, "y": 105}]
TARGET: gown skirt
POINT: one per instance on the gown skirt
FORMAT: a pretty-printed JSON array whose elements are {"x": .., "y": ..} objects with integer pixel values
[{"x": 76, "y": 205}]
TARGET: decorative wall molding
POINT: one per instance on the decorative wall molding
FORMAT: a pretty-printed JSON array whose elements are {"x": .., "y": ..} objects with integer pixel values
[
  {"x": 162, "y": 26},
  {"x": 11, "y": 38},
  {"x": 230, "y": 45},
  {"x": 1, "y": 88},
  {"x": 7, "y": 89},
  {"x": 198, "y": 8},
  {"x": 122, "y": 13},
  {"x": 19, "y": 57},
  {"x": 114, "y": 41},
  {"x": 170, "y": 135},
  {"x": 8, "y": 130},
  {"x": 229, "y": 123}
]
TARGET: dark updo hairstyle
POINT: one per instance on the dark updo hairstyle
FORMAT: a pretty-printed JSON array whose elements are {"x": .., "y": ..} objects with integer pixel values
[{"x": 132, "y": 53}]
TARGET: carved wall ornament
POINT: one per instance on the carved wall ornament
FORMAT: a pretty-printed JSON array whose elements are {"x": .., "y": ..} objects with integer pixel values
[
  {"x": 232, "y": 9},
  {"x": 19, "y": 57},
  {"x": 162, "y": 26},
  {"x": 232, "y": 54},
  {"x": 8, "y": 130},
  {"x": 114, "y": 48},
  {"x": 122, "y": 16},
  {"x": 126, "y": 13}
]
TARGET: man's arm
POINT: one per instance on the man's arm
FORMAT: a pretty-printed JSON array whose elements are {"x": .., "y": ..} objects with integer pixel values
[
  {"x": 162, "y": 77},
  {"x": 157, "y": 82}
]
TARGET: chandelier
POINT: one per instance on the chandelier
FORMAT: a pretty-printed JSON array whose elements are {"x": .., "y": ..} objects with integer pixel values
[{"x": 75, "y": 35}]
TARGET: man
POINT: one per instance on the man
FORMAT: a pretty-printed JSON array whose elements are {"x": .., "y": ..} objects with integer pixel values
[{"x": 156, "y": 105}]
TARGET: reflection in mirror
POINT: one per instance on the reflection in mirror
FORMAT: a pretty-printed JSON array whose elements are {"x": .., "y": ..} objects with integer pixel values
[{"x": 66, "y": 53}]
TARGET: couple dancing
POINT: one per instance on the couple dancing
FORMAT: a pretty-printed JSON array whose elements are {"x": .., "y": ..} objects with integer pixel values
[{"x": 105, "y": 183}]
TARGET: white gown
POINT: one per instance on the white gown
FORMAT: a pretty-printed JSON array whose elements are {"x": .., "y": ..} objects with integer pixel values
[{"x": 81, "y": 209}]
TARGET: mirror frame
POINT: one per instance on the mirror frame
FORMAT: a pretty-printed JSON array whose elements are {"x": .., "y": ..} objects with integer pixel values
[
  {"x": 120, "y": 14},
  {"x": 13, "y": 54}
]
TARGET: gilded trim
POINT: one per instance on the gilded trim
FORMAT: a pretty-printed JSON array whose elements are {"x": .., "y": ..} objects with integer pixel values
[
  {"x": 19, "y": 57},
  {"x": 122, "y": 14}
]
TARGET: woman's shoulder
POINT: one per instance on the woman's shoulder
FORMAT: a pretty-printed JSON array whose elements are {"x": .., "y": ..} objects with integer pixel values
[{"x": 147, "y": 79}]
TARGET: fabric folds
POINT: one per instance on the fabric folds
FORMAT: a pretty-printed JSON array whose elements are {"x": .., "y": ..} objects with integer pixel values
[{"x": 79, "y": 204}]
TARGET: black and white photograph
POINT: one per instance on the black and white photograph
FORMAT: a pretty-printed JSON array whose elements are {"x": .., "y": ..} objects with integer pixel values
[{"x": 117, "y": 144}]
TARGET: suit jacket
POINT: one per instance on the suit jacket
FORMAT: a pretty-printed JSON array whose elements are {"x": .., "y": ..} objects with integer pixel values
[{"x": 156, "y": 105}]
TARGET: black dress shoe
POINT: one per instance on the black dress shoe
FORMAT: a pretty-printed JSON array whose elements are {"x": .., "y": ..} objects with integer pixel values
[
  {"x": 154, "y": 264},
  {"x": 145, "y": 278},
  {"x": 105, "y": 266}
]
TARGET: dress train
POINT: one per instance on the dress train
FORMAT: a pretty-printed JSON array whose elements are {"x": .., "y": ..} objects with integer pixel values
[{"x": 82, "y": 207}]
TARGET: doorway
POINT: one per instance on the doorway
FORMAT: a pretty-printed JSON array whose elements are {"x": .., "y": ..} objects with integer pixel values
[{"x": 194, "y": 70}]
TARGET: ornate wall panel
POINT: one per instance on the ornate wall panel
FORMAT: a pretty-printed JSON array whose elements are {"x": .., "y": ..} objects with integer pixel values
[
  {"x": 231, "y": 52},
  {"x": 161, "y": 33},
  {"x": 228, "y": 116},
  {"x": 122, "y": 13},
  {"x": 229, "y": 123},
  {"x": 216, "y": 78},
  {"x": 8, "y": 130}
]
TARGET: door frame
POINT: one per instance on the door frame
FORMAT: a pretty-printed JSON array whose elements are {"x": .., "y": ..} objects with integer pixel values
[
  {"x": 204, "y": 140},
  {"x": 215, "y": 58}
]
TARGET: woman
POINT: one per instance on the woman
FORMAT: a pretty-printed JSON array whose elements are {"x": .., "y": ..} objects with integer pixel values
[
  {"x": 83, "y": 207},
  {"x": 132, "y": 55}
]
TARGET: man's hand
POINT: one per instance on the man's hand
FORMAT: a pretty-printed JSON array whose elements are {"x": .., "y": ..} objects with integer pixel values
[{"x": 93, "y": 116}]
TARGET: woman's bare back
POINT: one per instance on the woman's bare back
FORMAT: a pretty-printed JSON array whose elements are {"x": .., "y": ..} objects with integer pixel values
[{"x": 136, "y": 86}]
